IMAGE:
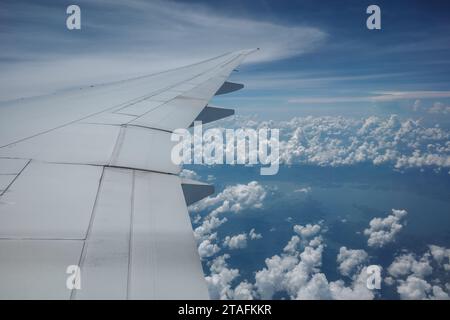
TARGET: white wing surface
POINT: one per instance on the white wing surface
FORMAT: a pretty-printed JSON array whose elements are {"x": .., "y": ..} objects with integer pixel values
[{"x": 86, "y": 179}]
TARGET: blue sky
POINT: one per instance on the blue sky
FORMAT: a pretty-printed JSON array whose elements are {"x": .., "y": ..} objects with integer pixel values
[
  {"x": 316, "y": 58},
  {"x": 353, "y": 64}
]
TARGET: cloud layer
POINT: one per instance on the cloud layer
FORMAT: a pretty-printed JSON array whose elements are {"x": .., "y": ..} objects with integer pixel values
[
  {"x": 382, "y": 231},
  {"x": 233, "y": 199},
  {"x": 338, "y": 141},
  {"x": 421, "y": 277},
  {"x": 296, "y": 272}
]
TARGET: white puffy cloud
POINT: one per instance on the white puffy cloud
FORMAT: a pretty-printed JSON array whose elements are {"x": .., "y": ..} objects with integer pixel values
[
  {"x": 356, "y": 291},
  {"x": 441, "y": 255},
  {"x": 296, "y": 272},
  {"x": 300, "y": 277},
  {"x": 407, "y": 264},
  {"x": 292, "y": 270},
  {"x": 439, "y": 294},
  {"x": 304, "y": 234},
  {"x": 243, "y": 291},
  {"x": 307, "y": 231},
  {"x": 414, "y": 288},
  {"x": 382, "y": 231},
  {"x": 233, "y": 199},
  {"x": 292, "y": 245},
  {"x": 207, "y": 249},
  {"x": 209, "y": 224},
  {"x": 315, "y": 242},
  {"x": 271, "y": 279},
  {"x": 317, "y": 288},
  {"x": 253, "y": 235},
  {"x": 412, "y": 274},
  {"x": 189, "y": 174},
  {"x": 350, "y": 260},
  {"x": 312, "y": 257},
  {"x": 238, "y": 241},
  {"x": 220, "y": 279}
]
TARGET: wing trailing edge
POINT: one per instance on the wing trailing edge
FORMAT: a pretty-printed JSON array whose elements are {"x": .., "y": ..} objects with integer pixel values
[
  {"x": 210, "y": 114},
  {"x": 228, "y": 87},
  {"x": 195, "y": 190}
]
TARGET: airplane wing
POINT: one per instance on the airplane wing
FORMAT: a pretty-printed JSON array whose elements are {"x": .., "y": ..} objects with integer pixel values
[{"x": 86, "y": 179}]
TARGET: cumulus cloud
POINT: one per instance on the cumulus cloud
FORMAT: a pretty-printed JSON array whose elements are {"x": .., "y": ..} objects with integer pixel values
[
  {"x": 307, "y": 231},
  {"x": 338, "y": 141},
  {"x": 303, "y": 237},
  {"x": 382, "y": 231},
  {"x": 238, "y": 241},
  {"x": 441, "y": 255},
  {"x": 291, "y": 270},
  {"x": 296, "y": 272},
  {"x": 253, "y": 235},
  {"x": 350, "y": 260},
  {"x": 414, "y": 288},
  {"x": 207, "y": 248},
  {"x": 420, "y": 278},
  {"x": 301, "y": 278},
  {"x": 209, "y": 224},
  {"x": 408, "y": 264},
  {"x": 220, "y": 279},
  {"x": 233, "y": 199},
  {"x": 292, "y": 245},
  {"x": 243, "y": 291},
  {"x": 189, "y": 174},
  {"x": 356, "y": 291}
]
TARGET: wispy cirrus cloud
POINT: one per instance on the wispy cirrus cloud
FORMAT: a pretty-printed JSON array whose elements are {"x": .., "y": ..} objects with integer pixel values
[
  {"x": 121, "y": 39},
  {"x": 384, "y": 96}
]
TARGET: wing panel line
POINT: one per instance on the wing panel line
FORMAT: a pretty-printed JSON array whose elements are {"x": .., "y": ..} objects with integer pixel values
[
  {"x": 130, "y": 243},
  {"x": 88, "y": 232},
  {"x": 15, "y": 178}
]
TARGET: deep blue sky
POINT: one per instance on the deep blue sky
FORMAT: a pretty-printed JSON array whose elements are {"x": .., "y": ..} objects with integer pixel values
[{"x": 410, "y": 53}]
